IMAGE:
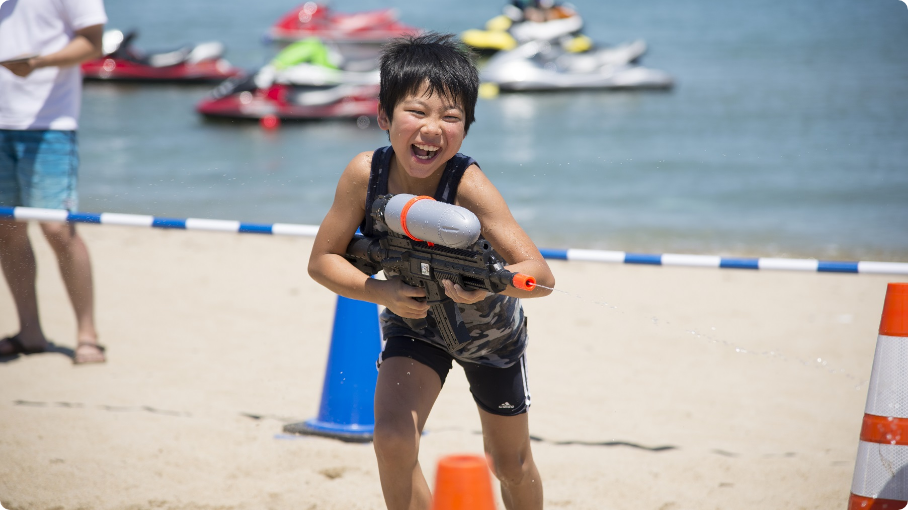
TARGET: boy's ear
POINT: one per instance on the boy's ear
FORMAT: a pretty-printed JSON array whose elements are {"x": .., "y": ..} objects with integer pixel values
[{"x": 383, "y": 121}]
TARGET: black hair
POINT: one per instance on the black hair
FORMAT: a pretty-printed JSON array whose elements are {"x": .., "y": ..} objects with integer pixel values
[{"x": 439, "y": 59}]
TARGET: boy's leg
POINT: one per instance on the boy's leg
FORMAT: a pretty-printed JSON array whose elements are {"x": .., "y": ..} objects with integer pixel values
[
  {"x": 405, "y": 393},
  {"x": 507, "y": 443},
  {"x": 18, "y": 262},
  {"x": 75, "y": 268}
]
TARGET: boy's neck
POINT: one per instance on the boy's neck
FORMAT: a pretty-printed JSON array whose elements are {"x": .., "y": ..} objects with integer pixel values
[{"x": 400, "y": 182}]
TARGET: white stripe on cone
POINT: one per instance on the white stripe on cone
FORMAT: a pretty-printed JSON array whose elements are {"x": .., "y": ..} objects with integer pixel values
[
  {"x": 887, "y": 393},
  {"x": 880, "y": 471}
]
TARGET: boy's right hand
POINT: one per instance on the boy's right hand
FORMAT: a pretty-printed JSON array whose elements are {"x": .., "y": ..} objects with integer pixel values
[{"x": 402, "y": 299}]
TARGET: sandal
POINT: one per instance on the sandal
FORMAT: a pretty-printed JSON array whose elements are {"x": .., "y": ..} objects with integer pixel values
[
  {"x": 91, "y": 359},
  {"x": 19, "y": 347}
]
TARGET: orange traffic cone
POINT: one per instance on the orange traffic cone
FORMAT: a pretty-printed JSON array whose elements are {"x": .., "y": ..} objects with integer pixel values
[
  {"x": 881, "y": 471},
  {"x": 463, "y": 482}
]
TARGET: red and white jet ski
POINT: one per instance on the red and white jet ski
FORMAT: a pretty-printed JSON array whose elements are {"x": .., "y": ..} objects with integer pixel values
[
  {"x": 289, "y": 102},
  {"x": 308, "y": 79},
  {"x": 313, "y": 19},
  {"x": 122, "y": 61}
]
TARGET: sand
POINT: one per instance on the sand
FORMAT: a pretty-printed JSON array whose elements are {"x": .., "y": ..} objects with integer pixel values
[{"x": 657, "y": 388}]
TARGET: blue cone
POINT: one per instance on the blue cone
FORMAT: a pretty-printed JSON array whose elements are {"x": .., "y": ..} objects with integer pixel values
[{"x": 348, "y": 393}]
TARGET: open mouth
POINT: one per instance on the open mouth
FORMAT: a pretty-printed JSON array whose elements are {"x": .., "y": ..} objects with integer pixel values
[{"x": 424, "y": 152}]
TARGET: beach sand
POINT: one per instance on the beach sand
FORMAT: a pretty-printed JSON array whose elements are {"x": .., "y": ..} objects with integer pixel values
[{"x": 653, "y": 387}]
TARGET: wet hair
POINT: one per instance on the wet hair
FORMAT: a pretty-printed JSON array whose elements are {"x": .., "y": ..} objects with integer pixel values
[{"x": 437, "y": 59}]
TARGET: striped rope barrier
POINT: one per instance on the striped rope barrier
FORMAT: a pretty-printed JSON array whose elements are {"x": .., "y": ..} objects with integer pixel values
[
  {"x": 665, "y": 259},
  {"x": 678, "y": 259},
  {"x": 141, "y": 220}
]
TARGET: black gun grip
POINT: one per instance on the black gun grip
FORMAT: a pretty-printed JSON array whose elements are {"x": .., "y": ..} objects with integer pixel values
[{"x": 450, "y": 324}]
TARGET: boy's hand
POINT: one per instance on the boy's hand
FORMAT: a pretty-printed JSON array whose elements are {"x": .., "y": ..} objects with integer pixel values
[
  {"x": 402, "y": 299},
  {"x": 461, "y": 295}
]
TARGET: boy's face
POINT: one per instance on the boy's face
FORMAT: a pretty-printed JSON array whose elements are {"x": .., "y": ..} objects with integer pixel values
[{"x": 426, "y": 131}]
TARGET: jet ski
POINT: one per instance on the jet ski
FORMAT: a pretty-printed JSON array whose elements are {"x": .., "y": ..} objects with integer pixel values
[
  {"x": 313, "y": 19},
  {"x": 512, "y": 28},
  {"x": 121, "y": 61},
  {"x": 307, "y": 80},
  {"x": 540, "y": 65}
]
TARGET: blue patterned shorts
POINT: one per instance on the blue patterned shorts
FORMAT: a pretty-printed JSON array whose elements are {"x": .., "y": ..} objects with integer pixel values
[{"x": 38, "y": 168}]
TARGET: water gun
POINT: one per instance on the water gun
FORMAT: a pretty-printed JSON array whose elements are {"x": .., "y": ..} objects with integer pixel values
[{"x": 427, "y": 242}]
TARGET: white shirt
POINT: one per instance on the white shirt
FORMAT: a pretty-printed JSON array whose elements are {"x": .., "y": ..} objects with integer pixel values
[{"x": 50, "y": 97}]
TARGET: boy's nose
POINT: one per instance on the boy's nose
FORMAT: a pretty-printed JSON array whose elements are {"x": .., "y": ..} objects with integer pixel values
[{"x": 431, "y": 126}]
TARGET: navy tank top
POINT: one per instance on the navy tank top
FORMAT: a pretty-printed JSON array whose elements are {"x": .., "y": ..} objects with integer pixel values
[{"x": 497, "y": 326}]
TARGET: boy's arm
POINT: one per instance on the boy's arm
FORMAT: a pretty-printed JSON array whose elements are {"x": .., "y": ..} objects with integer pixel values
[
  {"x": 499, "y": 227},
  {"x": 326, "y": 263}
]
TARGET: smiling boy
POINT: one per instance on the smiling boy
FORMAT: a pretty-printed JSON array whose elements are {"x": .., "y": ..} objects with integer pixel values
[{"x": 429, "y": 88}]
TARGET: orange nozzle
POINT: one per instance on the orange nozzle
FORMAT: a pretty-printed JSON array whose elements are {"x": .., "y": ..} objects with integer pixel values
[
  {"x": 524, "y": 281},
  {"x": 462, "y": 482},
  {"x": 895, "y": 311}
]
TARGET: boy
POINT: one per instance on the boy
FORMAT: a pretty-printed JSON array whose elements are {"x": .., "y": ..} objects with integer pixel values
[{"x": 429, "y": 87}]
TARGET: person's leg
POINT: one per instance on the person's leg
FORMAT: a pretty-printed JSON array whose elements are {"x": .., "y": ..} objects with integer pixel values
[
  {"x": 507, "y": 443},
  {"x": 410, "y": 377},
  {"x": 502, "y": 396},
  {"x": 18, "y": 262},
  {"x": 52, "y": 164},
  {"x": 404, "y": 395},
  {"x": 16, "y": 256},
  {"x": 75, "y": 268}
]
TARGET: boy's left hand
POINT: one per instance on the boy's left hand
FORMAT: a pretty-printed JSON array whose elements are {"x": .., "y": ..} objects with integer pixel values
[{"x": 461, "y": 295}]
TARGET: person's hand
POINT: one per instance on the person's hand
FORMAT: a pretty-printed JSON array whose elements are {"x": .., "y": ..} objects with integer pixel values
[
  {"x": 20, "y": 68},
  {"x": 461, "y": 295},
  {"x": 402, "y": 299}
]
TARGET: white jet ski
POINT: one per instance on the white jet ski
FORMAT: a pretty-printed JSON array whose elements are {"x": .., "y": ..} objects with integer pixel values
[{"x": 539, "y": 65}]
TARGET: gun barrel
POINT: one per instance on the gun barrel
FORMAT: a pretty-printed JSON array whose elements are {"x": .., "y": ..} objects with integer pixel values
[
  {"x": 520, "y": 281},
  {"x": 524, "y": 281}
]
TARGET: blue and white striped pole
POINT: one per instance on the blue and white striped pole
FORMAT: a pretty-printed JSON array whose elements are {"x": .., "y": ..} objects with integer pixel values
[
  {"x": 140, "y": 220},
  {"x": 665, "y": 259},
  {"x": 678, "y": 259}
]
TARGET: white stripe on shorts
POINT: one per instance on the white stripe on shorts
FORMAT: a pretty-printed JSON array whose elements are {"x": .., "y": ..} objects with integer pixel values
[{"x": 523, "y": 373}]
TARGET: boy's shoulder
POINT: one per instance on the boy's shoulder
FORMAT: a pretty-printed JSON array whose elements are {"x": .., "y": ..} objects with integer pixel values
[
  {"x": 357, "y": 172},
  {"x": 475, "y": 186},
  {"x": 361, "y": 161}
]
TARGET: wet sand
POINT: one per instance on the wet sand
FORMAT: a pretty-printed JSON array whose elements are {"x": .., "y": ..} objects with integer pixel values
[{"x": 657, "y": 388}]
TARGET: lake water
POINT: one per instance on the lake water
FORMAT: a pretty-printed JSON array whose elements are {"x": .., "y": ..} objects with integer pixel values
[{"x": 786, "y": 135}]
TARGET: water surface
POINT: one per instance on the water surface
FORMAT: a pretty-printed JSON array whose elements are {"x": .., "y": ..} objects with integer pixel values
[{"x": 787, "y": 133}]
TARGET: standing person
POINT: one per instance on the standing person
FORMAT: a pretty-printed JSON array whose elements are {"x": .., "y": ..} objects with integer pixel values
[
  {"x": 429, "y": 87},
  {"x": 42, "y": 43}
]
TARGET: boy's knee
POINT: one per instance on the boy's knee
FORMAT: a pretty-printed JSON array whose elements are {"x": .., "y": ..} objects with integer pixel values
[
  {"x": 395, "y": 444},
  {"x": 511, "y": 469}
]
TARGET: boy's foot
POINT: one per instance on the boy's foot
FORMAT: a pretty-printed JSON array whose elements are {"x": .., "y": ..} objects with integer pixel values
[
  {"x": 13, "y": 345},
  {"x": 88, "y": 352}
]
